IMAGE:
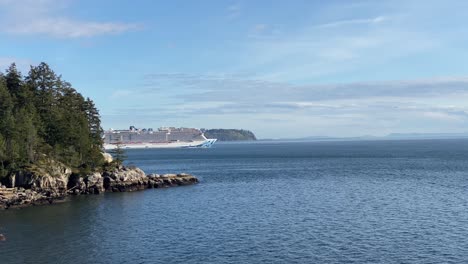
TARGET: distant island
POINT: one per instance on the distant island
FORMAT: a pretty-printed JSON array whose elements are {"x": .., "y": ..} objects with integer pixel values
[{"x": 230, "y": 134}]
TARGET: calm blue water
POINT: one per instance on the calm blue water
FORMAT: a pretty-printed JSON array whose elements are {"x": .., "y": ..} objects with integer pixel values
[{"x": 327, "y": 202}]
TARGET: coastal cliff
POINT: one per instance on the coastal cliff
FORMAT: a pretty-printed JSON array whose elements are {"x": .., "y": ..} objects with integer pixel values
[
  {"x": 230, "y": 134},
  {"x": 33, "y": 189}
]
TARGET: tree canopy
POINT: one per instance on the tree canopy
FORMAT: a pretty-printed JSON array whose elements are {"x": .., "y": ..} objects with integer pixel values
[
  {"x": 42, "y": 115},
  {"x": 230, "y": 134}
]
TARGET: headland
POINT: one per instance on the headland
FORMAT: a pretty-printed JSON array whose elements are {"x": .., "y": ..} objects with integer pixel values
[{"x": 57, "y": 184}]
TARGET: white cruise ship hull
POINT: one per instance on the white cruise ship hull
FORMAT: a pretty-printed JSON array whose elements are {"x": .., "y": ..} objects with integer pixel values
[{"x": 152, "y": 145}]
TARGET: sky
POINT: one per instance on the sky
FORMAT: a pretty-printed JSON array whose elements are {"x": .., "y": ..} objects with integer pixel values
[{"x": 282, "y": 69}]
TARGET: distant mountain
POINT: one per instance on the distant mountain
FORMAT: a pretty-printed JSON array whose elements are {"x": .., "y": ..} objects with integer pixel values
[
  {"x": 323, "y": 138},
  {"x": 426, "y": 135},
  {"x": 393, "y": 136},
  {"x": 230, "y": 134}
]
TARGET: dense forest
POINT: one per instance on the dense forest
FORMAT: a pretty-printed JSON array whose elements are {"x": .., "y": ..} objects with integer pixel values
[
  {"x": 43, "y": 116},
  {"x": 230, "y": 134}
]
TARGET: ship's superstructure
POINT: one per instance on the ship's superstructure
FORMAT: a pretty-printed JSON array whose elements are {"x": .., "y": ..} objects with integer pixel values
[{"x": 164, "y": 137}]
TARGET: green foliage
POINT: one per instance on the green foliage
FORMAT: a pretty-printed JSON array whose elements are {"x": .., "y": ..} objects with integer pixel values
[
  {"x": 230, "y": 134},
  {"x": 118, "y": 154},
  {"x": 40, "y": 114}
]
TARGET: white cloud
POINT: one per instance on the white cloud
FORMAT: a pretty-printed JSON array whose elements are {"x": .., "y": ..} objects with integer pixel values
[
  {"x": 66, "y": 28},
  {"x": 260, "y": 27},
  {"x": 443, "y": 116},
  {"x": 311, "y": 52},
  {"x": 234, "y": 11},
  {"x": 348, "y": 109},
  {"x": 210, "y": 88},
  {"x": 342, "y": 39},
  {"x": 22, "y": 64},
  {"x": 399, "y": 40},
  {"x": 374, "y": 20},
  {"x": 44, "y": 17},
  {"x": 121, "y": 94}
]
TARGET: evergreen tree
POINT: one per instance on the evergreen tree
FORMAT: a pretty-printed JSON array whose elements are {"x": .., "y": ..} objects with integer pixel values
[
  {"x": 6, "y": 102},
  {"x": 6, "y": 106},
  {"x": 43, "y": 116},
  {"x": 14, "y": 80},
  {"x": 7, "y": 124},
  {"x": 3, "y": 157},
  {"x": 26, "y": 136},
  {"x": 44, "y": 83},
  {"x": 94, "y": 121},
  {"x": 118, "y": 154}
]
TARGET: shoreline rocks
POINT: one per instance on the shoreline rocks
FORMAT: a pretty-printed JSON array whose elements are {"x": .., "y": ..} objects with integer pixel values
[{"x": 37, "y": 190}]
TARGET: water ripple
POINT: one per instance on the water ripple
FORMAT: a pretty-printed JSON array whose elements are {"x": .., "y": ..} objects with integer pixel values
[{"x": 346, "y": 202}]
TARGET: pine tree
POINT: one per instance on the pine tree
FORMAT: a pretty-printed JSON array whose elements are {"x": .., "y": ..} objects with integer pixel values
[
  {"x": 26, "y": 136},
  {"x": 3, "y": 157},
  {"x": 42, "y": 115},
  {"x": 14, "y": 80},
  {"x": 118, "y": 154},
  {"x": 44, "y": 82},
  {"x": 94, "y": 121},
  {"x": 5, "y": 106},
  {"x": 7, "y": 125},
  {"x": 6, "y": 102}
]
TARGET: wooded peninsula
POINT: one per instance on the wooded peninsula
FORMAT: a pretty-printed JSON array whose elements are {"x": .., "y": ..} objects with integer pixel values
[
  {"x": 51, "y": 144},
  {"x": 41, "y": 115}
]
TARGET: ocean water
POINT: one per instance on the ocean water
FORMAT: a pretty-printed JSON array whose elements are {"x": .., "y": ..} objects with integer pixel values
[{"x": 266, "y": 202}]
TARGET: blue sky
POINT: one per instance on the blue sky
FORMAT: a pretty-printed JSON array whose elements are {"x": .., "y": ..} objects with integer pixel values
[{"x": 279, "y": 68}]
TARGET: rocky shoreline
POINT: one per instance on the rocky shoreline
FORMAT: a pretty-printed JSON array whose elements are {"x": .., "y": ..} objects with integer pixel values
[{"x": 53, "y": 186}]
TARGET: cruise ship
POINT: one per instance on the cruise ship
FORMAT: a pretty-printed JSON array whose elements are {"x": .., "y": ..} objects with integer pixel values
[{"x": 164, "y": 137}]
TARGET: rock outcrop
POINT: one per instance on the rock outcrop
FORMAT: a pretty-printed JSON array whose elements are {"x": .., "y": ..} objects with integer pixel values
[
  {"x": 107, "y": 157},
  {"x": 20, "y": 197},
  {"x": 45, "y": 176},
  {"x": 41, "y": 183},
  {"x": 126, "y": 179},
  {"x": 40, "y": 186},
  {"x": 94, "y": 184}
]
